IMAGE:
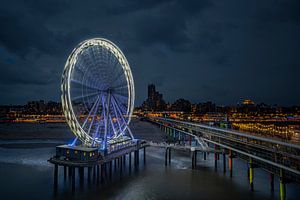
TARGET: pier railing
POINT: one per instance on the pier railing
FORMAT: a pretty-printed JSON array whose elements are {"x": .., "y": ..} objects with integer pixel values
[{"x": 271, "y": 154}]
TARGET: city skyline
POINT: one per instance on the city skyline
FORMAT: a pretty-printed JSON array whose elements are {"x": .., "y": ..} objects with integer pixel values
[
  {"x": 214, "y": 51},
  {"x": 156, "y": 97}
]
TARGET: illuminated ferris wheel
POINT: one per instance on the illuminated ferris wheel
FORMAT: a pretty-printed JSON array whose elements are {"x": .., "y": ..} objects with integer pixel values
[{"x": 98, "y": 93}]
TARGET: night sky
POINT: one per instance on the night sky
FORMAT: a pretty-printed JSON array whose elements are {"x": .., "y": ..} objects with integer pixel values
[{"x": 222, "y": 51}]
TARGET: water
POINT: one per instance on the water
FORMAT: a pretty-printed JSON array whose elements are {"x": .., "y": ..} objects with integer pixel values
[{"x": 26, "y": 174}]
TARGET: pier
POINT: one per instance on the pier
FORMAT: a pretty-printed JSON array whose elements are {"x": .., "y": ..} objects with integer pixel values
[{"x": 99, "y": 164}]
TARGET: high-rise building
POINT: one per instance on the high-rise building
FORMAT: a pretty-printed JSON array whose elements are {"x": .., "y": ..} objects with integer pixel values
[{"x": 155, "y": 101}]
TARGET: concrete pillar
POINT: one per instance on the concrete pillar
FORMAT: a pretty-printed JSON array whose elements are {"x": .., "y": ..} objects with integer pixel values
[
  {"x": 73, "y": 178},
  {"x": 102, "y": 173},
  {"x": 115, "y": 164},
  {"x": 216, "y": 157},
  {"x": 129, "y": 161},
  {"x": 94, "y": 173},
  {"x": 55, "y": 183},
  {"x": 124, "y": 160},
  {"x": 98, "y": 174},
  {"x": 230, "y": 164},
  {"x": 204, "y": 155},
  {"x": 65, "y": 173},
  {"x": 166, "y": 157},
  {"x": 70, "y": 172},
  {"x": 272, "y": 182},
  {"x": 110, "y": 169},
  {"x": 121, "y": 166},
  {"x": 81, "y": 176},
  {"x": 251, "y": 174},
  {"x": 224, "y": 161},
  {"x": 282, "y": 185},
  {"x": 169, "y": 156},
  {"x": 138, "y": 156},
  {"x": 144, "y": 155},
  {"x": 89, "y": 174},
  {"x": 193, "y": 159}
]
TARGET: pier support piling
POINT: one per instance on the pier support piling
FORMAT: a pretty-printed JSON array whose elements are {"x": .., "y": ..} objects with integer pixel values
[
  {"x": 65, "y": 173},
  {"x": 69, "y": 172},
  {"x": 81, "y": 176},
  {"x": 73, "y": 178},
  {"x": 121, "y": 166},
  {"x": 110, "y": 170},
  {"x": 251, "y": 174},
  {"x": 169, "y": 156},
  {"x": 282, "y": 185},
  {"x": 194, "y": 159},
  {"x": 216, "y": 158},
  {"x": 98, "y": 174},
  {"x": 272, "y": 182},
  {"x": 129, "y": 161},
  {"x": 55, "y": 176},
  {"x": 89, "y": 174},
  {"x": 224, "y": 161},
  {"x": 144, "y": 155},
  {"x": 102, "y": 173},
  {"x": 94, "y": 174},
  {"x": 166, "y": 157},
  {"x": 230, "y": 163}
]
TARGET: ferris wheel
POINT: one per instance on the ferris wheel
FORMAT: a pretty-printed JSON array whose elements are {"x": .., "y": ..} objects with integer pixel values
[{"x": 97, "y": 93}]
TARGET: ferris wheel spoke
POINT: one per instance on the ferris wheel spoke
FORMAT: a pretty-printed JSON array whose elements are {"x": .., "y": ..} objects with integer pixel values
[
  {"x": 96, "y": 133},
  {"x": 112, "y": 125},
  {"x": 81, "y": 69},
  {"x": 104, "y": 114},
  {"x": 83, "y": 84},
  {"x": 116, "y": 115},
  {"x": 120, "y": 87},
  {"x": 120, "y": 103},
  {"x": 119, "y": 110},
  {"x": 85, "y": 121},
  {"x": 122, "y": 117},
  {"x": 116, "y": 77},
  {"x": 84, "y": 96},
  {"x": 120, "y": 96},
  {"x": 84, "y": 73},
  {"x": 93, "y": 118}
]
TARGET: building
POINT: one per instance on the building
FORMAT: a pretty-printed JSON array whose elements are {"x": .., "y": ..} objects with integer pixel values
[
  {"x": 155, "y": 101},
  {"x": 181, "y": 105},
  {"x": 206, "y": 107}
]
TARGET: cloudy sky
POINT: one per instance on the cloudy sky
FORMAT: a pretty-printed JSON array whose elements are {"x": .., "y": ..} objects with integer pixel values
[{"x": 221, "y": 51}]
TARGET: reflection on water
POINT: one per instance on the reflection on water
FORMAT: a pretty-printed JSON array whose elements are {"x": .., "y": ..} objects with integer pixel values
[{"x": 25, "y": 174}]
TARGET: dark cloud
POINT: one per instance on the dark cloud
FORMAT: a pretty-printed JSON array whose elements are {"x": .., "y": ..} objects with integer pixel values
[{"x": 201, "y": 50}]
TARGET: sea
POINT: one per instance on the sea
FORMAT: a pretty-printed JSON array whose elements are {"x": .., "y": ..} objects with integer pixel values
[{"x": 25, "y": 172}]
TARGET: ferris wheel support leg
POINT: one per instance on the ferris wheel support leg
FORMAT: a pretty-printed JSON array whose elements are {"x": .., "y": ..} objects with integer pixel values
[
  {"x": 106, "y": 119},
  {"x": 130, "y": 133},
  {"x": 122, "y": 117},
  {"x": 74, "y": 141}
]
